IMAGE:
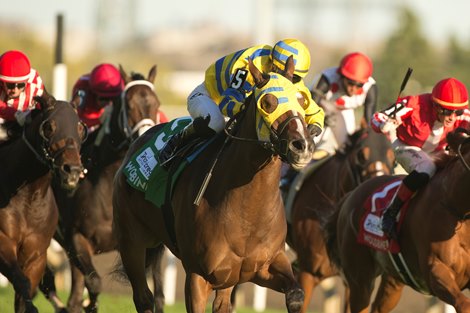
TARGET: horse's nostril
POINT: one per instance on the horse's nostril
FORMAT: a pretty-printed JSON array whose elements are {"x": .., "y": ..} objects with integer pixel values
[
  {"x": 67, "y": 168},
  {"x": 299, "y": 144}
]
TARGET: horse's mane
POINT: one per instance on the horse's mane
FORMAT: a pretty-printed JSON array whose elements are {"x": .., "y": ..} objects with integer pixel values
[{"x": 137, "y": 76}]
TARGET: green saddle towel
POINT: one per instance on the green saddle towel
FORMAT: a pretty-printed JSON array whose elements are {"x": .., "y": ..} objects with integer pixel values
[{"x": 143, "y": 171}]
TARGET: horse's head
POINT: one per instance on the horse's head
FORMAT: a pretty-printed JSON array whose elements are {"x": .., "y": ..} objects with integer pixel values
[
  {"x": 282, "y": 115},
  {"x": 371, "y": 154},
  {"x": 61, "y": 134},
  {"x": 139, "y": 104},
  {"x": 459, "y": 144}
]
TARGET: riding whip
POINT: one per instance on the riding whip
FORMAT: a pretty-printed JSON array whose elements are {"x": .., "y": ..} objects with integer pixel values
[{"x": 402, "y": 87}]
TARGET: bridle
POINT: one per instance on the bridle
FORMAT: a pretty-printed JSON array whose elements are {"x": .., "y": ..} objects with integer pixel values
[
  {"x": 44, "y": 155},
  {"x": 123, "y": 118},
  {"x": 460, "y": 155},
  {"x": 276, "y": 145}
]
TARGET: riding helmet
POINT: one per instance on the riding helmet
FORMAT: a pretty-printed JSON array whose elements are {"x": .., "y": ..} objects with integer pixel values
[
  {"x": 106, "y": 81},
  {"x": 450, "y": 94},
  {"x": 356, "y": 66},
  {"x": 287, "y": 47},
  {"x": 14, "y": 66}
]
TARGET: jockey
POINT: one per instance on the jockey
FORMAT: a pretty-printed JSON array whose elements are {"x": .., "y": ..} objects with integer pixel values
[
  {"x": 422, "y": 123},
  {"x": 19, "y": 83},
  {"x": 228, "y": 83},
  {"x": 339, "y": 91},
  {"x": 95, "y": 91}
]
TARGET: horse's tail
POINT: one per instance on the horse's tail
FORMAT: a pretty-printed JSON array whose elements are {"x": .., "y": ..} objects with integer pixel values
[
  {"x": 330, "y": 231},
  {"x": 153, "y": 263}
]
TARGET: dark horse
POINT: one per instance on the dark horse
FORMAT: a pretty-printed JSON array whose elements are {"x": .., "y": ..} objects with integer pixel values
[
  {"x": 367, "y": 154},
  {"x": 434, "y": 239},
  {"x": 49, "y": 144},
  {"x": 85, "y": 225},
  {"x": 237, "y": 231}
]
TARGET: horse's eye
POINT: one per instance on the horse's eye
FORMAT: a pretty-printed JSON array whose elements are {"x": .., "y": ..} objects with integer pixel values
[
  {"x": 47, "y": 129},
  {"x": 268, "y": 103}
]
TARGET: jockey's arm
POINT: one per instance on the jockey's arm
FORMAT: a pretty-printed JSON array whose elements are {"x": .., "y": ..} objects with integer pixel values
[
  {"x": 232, "y": 102},
  {"x": 318, "y": 92},
  {"x": 370, "y": 103},
  {"x": 390, "y": 118}
]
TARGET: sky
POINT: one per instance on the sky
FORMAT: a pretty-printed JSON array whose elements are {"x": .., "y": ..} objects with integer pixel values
[{"x": 337, "y": 20}]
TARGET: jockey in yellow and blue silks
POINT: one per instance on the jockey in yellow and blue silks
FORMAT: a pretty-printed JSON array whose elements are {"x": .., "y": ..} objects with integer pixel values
[{"x": 228, "y": 83}]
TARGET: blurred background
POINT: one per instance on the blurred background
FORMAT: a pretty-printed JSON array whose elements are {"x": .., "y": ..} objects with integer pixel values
[{"x": 184, "y": 37}]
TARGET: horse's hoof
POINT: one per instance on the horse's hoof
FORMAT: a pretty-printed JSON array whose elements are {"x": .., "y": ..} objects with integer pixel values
[{"x": 294, "y": 300}]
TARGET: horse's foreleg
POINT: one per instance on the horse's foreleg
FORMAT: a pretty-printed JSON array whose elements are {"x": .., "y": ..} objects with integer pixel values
[
  {"x": 196, "y": 292},
  {"x": 308, "y": 282},
  {"x": 48, "y": 288},
  {"x": 75, "y": 301},
  {"x": 156, "y": 267},
  {"x": 222, "y": 302},
  {"x": 133, "y": 260},
  {"x": 279, "y": 276},
  {"x": 444, "y": 286},
  {"x": 81, "y": 257},
  {"x": 34, "y": 270},
  {"x": 388, "y": 295}
]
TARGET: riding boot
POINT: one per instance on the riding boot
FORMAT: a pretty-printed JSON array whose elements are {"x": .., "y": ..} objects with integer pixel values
[
  {"x": 198, "y": 128},
  {"x": 406, "y": 190}
]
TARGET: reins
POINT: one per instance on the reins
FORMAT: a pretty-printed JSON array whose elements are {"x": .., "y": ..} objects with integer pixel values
[{"x": 459, "y": 153}]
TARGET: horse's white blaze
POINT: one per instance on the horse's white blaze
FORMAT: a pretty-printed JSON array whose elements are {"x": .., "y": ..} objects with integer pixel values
[{"x": 379, "y": 169}]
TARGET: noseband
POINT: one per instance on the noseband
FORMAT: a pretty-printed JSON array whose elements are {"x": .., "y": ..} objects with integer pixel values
[{"x": 276, "y": 146}]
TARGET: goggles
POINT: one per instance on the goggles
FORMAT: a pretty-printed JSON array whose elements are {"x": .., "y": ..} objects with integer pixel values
[
  {"x": 15, "y": 85},
  {"x": 447, "y": 112},
  {"x": 351, "y": 82}
]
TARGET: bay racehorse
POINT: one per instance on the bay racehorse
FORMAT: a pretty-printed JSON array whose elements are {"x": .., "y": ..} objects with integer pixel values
[
  {"x": 48, "y": 145},
  {"x": 367, "y": 154},
  {"x": 235, "y": 230},
  {"x": 86, "y": 214},
  {"x": 433, "y": 239}
]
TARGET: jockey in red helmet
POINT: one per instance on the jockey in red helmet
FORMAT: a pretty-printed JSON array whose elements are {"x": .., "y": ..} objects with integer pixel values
[
  {"x": 435, "y": 115},
  {"x": 340, "y": 91},
  {"x": 96, "y": 91},
  {"x": 19, "y": 84}
]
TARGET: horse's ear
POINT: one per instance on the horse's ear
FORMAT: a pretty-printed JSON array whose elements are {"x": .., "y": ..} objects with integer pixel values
[
  {"x": 259, "y": 78},
  {"x": 289, "y": 68},
  {"x": 124, "y": 75},
  {"x": 47, "y": 101},
  {"x": 152, "y": 74}
]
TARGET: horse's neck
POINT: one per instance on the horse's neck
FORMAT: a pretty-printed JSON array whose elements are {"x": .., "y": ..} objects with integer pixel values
[
  {"x": 20, "y": 165},
  {"x": 454, "y": 186}
]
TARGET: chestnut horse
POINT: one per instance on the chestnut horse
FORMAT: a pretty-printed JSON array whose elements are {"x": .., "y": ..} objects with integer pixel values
[
  {"x": 236, "y": 232},
  {"x": 49, "y": 144},
  {"x": 85, "y": 225},
  {"x": 434, "y": 239},
  {"x": 367, "y": 154}
]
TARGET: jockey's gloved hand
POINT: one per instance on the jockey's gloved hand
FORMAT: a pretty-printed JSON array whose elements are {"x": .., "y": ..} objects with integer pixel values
[
  {"x": 314, "y": 130},
  {"x": 23, "y": 117}
]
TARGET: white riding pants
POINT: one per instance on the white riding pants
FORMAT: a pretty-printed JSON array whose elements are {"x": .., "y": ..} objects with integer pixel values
[
  {"x": 200, "y": 104},
  {"x": 413, "y": 158},
  {"x": 336, "y": 135}
]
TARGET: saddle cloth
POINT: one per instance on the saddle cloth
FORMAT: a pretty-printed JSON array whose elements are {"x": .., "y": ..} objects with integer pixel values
[
  {"x": 143, "y": 171},
  {"x": 370, "y": 228}
]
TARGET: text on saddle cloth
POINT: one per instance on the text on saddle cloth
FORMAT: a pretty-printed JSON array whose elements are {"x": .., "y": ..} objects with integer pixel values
[
  {"x": 143, "y": 171},
  {"x": 370, "y": 228}
]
